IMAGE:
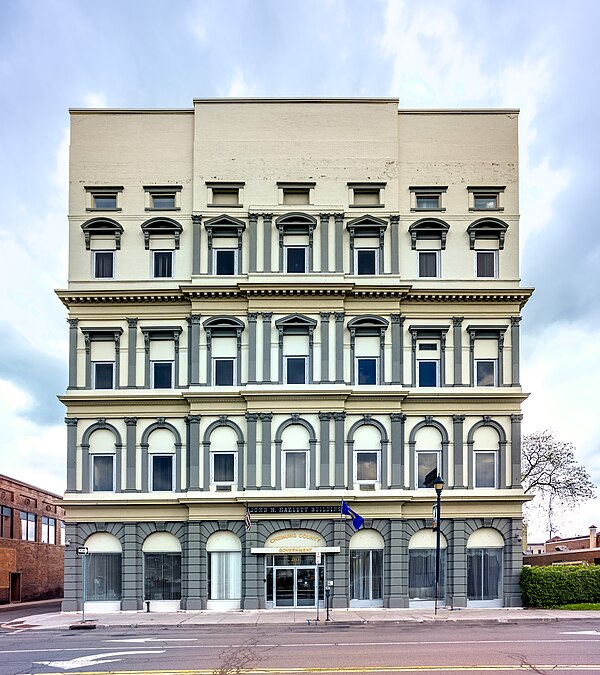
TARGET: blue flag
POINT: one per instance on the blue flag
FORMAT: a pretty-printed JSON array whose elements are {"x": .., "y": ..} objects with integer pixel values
[{"x": 357, "y": 521}]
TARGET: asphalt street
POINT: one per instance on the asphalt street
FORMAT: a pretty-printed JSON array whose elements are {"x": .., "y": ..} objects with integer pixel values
[{"x": 540, "y": 647}]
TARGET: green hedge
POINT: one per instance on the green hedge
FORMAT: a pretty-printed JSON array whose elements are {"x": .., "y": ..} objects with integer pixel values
[{"x": 557, "y": 585}]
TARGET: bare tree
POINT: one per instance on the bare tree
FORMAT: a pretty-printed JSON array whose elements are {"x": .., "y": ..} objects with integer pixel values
[{"x": 550, "y": 472}]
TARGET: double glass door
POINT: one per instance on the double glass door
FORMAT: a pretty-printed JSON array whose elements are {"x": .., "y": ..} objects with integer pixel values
[{"x": 293, "y": 581}]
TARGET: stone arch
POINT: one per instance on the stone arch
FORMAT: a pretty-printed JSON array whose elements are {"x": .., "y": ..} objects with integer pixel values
[
  {"x": 100, "y": 423},
  {"x": 102, "y": 226},
  {"x": 295, "y": 419},
  {"x": 412, "y": 441},
  {"x": 223, "y": 421},
  {"x": 160, "y": 225},
  {"x": 145, "y": 444},
  {"x": 502, "y": 442}
]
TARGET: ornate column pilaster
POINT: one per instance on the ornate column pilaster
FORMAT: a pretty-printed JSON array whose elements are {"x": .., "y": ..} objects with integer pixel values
[
  {"x": 325, "y": 419},
  {"x": 266, "y": 326},
  {"x": 193, "y": 321},
  {"x": 71, "y": 423},
  {"x": 339, "y": 241},
  {"x": 339, "y": 419},
  {"x": 193, "y": 452},
  {"x": 501, "y": 359},
  {"x": 515, "y": 450},
  {"x": 339, "y": 347},
  {"x": 252, "y": 317},
  {"x": 73, "y": 334},
  {"x": 515, "y": 341},
  {"x": 251, "y": 419},
  {"x": 131, "y": 352},
  {"x": 324, "y": 242},
  {"x": 457, "y": 338},
  {"x": 130, "y": 452},
  {"x": 397, "y": 348},
  {"x": 267, "y": 227},
  {"x": 325, "y": 346},
  {"x": 459, "y": 451},
  {"x": 196, "y": 232},
  {"x": 252, "y": 241},
  {"x": 266, "y": 419},
  {"x": 397, "y": 433},
  {"x": 394, "y": 243}
]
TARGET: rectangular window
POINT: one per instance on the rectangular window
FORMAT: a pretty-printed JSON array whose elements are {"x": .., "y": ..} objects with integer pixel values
[
  {"x": 225, "y": 196},
  {"x": 27, "y": 526},
  {"x": 485, "y": 373},
  {"x": 428, "y": 373},
  {"x": 223, "y": 468},
  {"x": 425, "y": 202},
  {"x": 367, "y": 467},
  {"x": 103, "y": 475},
  {"x": 485, "y": 264},
  {"x": 48, "y": 530},
  {"x": 104, "y": 200},
  {"x": 6, "y": 522},
  {"x": 366, "y": 261},
  {"x": 104, "y": 576},
  {"x": 103, "y": 375},
  {"x": 367, "y": 370},
  {"x": 225, "y": 575},
  {"x": 427, "y": 464},
  {"x": 104, "y": 264},
  {"x": 223, "y": 372},
  {"x": 162, "y": 374},
  {"x": 295, "y": 259},
  {"x": 225, "y": 261},
  {"x": 296, "y": 195},
  {"x": 485, "y": 469},
  {"x": 295, "y": 369},
  {"x": 489, "y": 201},
  {"x": 295, "y": 469},
  {"x": 428, "y": 264},
  {"x": 366, "y": 195},
  {"x": 63, "y": 536},
  {"x": 162, "y": 473},
  {"x": 162, "y": 576},
  {"x": 160, "y": 200},
  {"x": 421, "y": 574},
  {"x": 162, "y": 264}
]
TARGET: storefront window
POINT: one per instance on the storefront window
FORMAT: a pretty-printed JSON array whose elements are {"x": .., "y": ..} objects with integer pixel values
[
  {"x": 484, "y": 573},
  {"x": 366, "y": 575},
  {"x": 103, "y": 576},
  {"x": 162, "y": 576},
  {"x": 421, "y": 574},
  {"x": 225, "y": 575}
]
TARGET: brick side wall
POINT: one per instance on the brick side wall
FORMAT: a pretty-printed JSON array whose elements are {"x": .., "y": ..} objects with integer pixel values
[{"x": 590, "y": 556}]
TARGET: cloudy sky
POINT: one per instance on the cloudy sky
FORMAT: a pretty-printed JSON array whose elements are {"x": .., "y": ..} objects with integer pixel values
[{"x": 539, "y": 56}]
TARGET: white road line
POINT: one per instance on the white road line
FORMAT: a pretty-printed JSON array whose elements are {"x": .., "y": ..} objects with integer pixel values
[
  {"x": 151, "y": 639},
  {"x": 93, "y": 659}
]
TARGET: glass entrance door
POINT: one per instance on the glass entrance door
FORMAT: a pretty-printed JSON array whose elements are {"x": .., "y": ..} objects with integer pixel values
[{"x": 295, "y": 587}]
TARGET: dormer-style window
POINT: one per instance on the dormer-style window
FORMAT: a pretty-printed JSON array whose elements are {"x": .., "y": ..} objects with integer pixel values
[
  {"x": 366, "y": 195},
  {"x": 162, "y": 197},
  {"x": 428, "y": 198},
  {"x": 367, "y": 340},
  {"x": 103, "y": 229},
  {"x": 225, "y": 193},
  {"x": 223, "y": 350},
  {"x": 428, "y": 367},
  {"x": 366, "y": 244},
  {"x": 224, "y": 245},
  {"x": 486, "y": 347},
  {"x": 161, "y": 356},
  {"x": 295, "y": 242},
  {"x": 103, "y": 198},
  {"x": 295, "y": 349},
  {"x": 299, "y": 193},
  {"x": 487, "y": 230},
  {"x": 162, "y": 230},
  {"x": 486, "y": 198}
]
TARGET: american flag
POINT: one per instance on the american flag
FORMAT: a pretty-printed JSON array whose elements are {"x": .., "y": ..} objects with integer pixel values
[{"x": 248, "y": 519}]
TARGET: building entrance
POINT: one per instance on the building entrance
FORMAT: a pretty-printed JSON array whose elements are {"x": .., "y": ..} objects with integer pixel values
[{"x": 291, "y": 581}]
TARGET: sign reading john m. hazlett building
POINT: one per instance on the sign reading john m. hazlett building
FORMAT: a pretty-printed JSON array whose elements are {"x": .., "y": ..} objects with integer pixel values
[{"x": 294, "y": 509}]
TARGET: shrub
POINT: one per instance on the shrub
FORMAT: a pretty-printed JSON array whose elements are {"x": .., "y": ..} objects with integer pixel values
[{"x": 558, "y": 585}]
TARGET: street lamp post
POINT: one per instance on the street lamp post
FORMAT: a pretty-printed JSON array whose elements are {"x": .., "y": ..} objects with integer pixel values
[{"x": 438, "y": 485}]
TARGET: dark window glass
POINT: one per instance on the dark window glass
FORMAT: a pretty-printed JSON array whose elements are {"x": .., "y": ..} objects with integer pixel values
[
  {"x": 103, "y": 375},
  {"x": 296, "y": 260},
  {"x": 485, "y": 373},
  {"x": 427, "y": 346},
  {"x": 366, "y": 575},
  {"x": 162, "y": 576},
  {"x": 366, "y": 466},
  {"x": 427, "y": 264},
  {"x": 421, "y": 574},
  {"x": 103, "y": 576},
  {"x": 484, "y": 573},
  {"x": 6, "y": 520},
  {"x": 367, "y": 371},
  {"x": 224, "y": 372},
  {"x": 427, "y": 462},
  {"x": 366, "y": 261},
  {"x": 163, "y": 201},
  {"x": 104, "y": 267},
  {"x": 427, "y": 373},
  {"x": 163, "y": 375},
  {"x": 295, "y": 469},
  {"x": 162, "y": 473},
  {"x": 225, "y": 261},
  {"x": 486, "y": 264},
  {"x": 485, "y": 469},
  {"x": 428, "y": 202},
  {"x": 108, "y": 201},
  {"x": 296, "y": 370},
  {"x": 485, "y": 201},
  {"x": 223, "y": 467},
  {"x": 102, "y": 473},
  {"x": 163, "y": 264}
]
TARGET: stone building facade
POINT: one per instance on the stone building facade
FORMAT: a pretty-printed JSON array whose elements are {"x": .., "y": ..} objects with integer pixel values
[
  {"x": 275, "y": 305},
  {"x": 31, "y": 542}
]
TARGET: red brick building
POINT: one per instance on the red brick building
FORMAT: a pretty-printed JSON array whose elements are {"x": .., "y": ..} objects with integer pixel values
[
  {"x": 31, "y": 542},
  {"x": 568, "y": 550}
]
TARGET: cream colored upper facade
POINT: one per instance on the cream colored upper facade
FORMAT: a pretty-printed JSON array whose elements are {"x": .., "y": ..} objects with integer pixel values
[{"x": 333, "y": 178}]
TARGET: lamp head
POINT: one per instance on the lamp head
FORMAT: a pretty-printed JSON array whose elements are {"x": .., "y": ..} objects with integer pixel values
[{"x": 438, "y": 485}]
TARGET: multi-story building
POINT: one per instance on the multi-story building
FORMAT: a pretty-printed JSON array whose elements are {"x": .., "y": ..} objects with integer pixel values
[
  {"x": 275, "y": 305},
  {"x": 32, "y": 536}
]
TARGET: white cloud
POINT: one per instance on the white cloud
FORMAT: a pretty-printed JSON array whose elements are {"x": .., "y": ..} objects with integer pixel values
[
  {"x": 239, "y": 87},
  {"x": 95, "y": 100}
]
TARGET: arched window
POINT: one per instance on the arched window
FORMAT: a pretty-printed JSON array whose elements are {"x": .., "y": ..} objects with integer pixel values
[
  {"x": 367, "y": 342},
  {"x": 484, "y": 568},
  {"x": 162, "y": 570},
  {"x": 366, "y": 569},
  {"x": 103, "y": 570},
  {"x": 224, "y": 551},
  {"x": 223, "y": 350},
  {"x": 421, "y": 568},
  {"x": 295, "y": 457},
  {"x": 428, "y": 443}
]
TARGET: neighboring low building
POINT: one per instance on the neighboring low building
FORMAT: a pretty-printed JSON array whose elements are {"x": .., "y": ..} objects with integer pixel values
[
  {"x": 31, "y": 542},
  {"x": 566, "y": 551}
]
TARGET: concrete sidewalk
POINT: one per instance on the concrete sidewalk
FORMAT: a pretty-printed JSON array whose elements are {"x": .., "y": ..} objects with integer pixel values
[{"x": 65, "y": 621}]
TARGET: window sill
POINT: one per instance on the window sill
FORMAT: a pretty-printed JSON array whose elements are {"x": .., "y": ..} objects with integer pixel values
[
  {"x": 172, "y": 208},
  {"x": 418, "y": 210},
  {"x": 498, "y": 208},
  {"x": 93, "y": 208},
  {"x": 366, "y": 207},
  {"x": 225, "y": 206}
]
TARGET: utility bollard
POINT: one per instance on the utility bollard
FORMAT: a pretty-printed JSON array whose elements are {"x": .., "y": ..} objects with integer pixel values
[{"x": 327, "y": 595}]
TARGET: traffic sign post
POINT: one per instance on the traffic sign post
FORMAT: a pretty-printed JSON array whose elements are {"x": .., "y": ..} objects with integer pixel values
[{"x": 83, "y": 551}]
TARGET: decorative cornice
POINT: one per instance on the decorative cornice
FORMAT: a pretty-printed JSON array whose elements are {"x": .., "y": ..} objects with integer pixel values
[{"x": 519, "y": 295}]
